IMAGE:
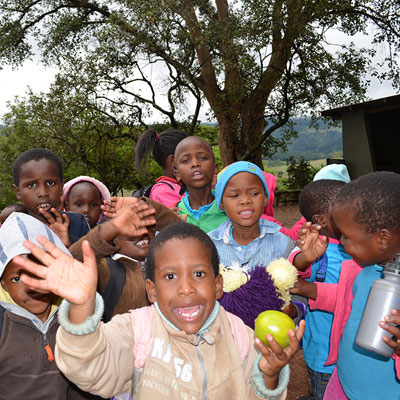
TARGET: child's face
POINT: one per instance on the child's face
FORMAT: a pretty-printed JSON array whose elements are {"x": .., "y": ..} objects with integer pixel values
[
  {"x": 365, "y": 248},
  {"x": 194, "y": 163},
  {"x": 136, "y": 248},
  {"x": 244, "y": 199},
  {"x": 39, "y": 186},
  {"x": 85, "y": 199},
  {"x": 36, "y": 303},
  {"x": 184, "y": 283}
]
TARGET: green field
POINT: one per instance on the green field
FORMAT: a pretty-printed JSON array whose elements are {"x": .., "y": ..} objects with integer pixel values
[{"x": 278, "y": 167}]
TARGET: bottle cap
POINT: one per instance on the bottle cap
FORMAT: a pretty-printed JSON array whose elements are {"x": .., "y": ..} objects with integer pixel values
[{"x": 394, "y": 266}]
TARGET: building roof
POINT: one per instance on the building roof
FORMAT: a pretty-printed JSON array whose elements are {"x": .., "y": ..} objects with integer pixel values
[{"x": 372, "y": 106}]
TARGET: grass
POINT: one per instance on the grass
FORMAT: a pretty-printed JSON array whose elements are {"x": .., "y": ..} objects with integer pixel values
[{"x": 278, "y": 167}]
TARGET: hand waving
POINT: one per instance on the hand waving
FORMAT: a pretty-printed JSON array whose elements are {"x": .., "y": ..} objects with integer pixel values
[
  {"x": 59, "y": 273},
  {"x": 312, "y": 245}
]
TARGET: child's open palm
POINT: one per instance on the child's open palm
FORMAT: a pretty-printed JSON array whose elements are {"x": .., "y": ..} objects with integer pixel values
[
  {"x": 274, "y": 358},
  {"x": 312, "y": 245},
  {"x": 132, "y": 221},
  {"x": 60, "y": 273}
]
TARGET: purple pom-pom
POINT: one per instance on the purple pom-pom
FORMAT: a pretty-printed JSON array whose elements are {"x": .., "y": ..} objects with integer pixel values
[{"x": 255, "y": 296}]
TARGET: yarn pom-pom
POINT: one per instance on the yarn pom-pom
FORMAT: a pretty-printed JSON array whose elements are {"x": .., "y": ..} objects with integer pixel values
[
  {"x": 233, "y": 277},
  {"x": 252, "y": 298},
  {"x": 284, "y": 276}
]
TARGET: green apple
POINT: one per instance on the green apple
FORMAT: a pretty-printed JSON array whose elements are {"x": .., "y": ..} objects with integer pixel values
[{"x": 277, "y": 324}]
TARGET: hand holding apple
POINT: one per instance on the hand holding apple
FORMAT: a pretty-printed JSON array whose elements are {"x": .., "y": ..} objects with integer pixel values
[{"x": 274, "y": 357}]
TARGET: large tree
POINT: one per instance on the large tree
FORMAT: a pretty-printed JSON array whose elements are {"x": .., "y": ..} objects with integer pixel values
[{"x": 256, "y": 62}]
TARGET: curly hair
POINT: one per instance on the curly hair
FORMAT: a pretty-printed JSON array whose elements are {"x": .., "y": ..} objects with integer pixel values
[
  {"x": 36, "y": 154},
  {"x": 317, "y": 197},
  {"x": 374, "y": 200},
  {"x": 180, "y": 231}
]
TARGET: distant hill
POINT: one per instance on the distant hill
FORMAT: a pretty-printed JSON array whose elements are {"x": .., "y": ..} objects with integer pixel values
[{"x": 312, "y": 143}]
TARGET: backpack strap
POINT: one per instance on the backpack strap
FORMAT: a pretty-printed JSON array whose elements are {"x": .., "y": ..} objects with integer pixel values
[
  {"x": 322, "y": 267},
  {"x": 142, "y": 323},
  {"x": 142, "y": 327},
  {"x": 114, "y": 287},
  {"x": 2, "y": 311},
  {"x": 239, "y": 333}
]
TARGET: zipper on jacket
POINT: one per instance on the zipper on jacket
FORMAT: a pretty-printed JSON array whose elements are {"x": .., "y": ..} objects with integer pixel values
[
  {"x": 47, "y": 349},
  {"x": 203, "y": 370}
]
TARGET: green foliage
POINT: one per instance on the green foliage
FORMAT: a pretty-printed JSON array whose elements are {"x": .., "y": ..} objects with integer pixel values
[
  {"x": 300, "y": 172},
  {"x": 251, "y": 60}
]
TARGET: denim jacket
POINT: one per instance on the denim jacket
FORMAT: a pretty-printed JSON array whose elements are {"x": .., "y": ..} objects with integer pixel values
[{"x": 269, "y": 245}]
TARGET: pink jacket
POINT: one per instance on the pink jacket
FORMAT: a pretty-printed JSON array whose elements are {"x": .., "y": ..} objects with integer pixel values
[
  {"x": 269, "y": 209},
  {"x": 337, "y": 299},
  {"x": 164, "y": 194}
]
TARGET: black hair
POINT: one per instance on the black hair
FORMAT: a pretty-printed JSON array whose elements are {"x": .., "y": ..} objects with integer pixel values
[
  {"x": 317, "y": 197},
  {"x": 161, "y": 145},
  {"x": 374, "y": 200},
  {"x": 35, "y": 154},
  {"x": 180, "y": 230}
]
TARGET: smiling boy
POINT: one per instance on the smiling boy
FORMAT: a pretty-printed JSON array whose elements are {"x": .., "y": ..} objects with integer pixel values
[
  {"x": 185, "y": 346},
  {"x": 38, "y": 183}
]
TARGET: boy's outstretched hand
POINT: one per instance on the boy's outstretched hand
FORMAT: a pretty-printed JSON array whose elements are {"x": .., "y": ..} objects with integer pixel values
[
  {"x": 393, "y": 339},
  {"x": 61, "y": 274},
  {"x": 311, "y": 244},
  {"x": 274, "y": 358},
  {"x": 115, "y": 204}
]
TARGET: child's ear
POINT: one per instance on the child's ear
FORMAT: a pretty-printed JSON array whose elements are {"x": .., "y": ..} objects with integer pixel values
[
  {"x": 17, "y": 192},
  {"x": 3, "y": 286},
  {"x": 177, "y": 174},
  {"x": 319, "y": 219},
  {"x": 151, "y": 291},
  {"x": 219, "y": 286},
  {"x": 221, "y": 206},
  {"x": 384, "y": 238}
]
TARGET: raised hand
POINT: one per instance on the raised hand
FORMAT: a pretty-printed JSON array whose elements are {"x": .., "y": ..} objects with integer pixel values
[
  {"x": 393, "y": 339},
  {"x": 274, "y": 358},
  {"x": 115, "y": 204},
  {"x": 59, "y": 273},
  {"x": 133, "y": 220},
  {"x": 312, "y": 245},
  {"x": 58, "y": 223}
]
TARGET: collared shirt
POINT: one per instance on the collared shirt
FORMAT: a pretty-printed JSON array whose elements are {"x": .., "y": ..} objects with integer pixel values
[{"x": 271, "y": 244}]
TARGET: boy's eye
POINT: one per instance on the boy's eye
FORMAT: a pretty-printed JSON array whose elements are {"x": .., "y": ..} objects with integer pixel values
[
  {"x": 78, "y": 204},
  {"x": 31, "y": 185},
  {"x": 199, "y": 274},
  {"x": 170, "y": 276},
  {"x": 254, "y": 193},
  {"x": 185, "y": 161},
  {"x": 94, "y": 205},
  {"x": 15, "y": 279},
  {"x": 203, "y": 158},
  {"x": 51, "y": 183}
]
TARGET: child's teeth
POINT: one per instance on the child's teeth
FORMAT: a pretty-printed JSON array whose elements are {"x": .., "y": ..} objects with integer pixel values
[{"x": 190, "y": 314}]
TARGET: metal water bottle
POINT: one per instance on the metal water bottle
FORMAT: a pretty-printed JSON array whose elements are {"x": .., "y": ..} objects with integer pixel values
[{"x": 383, "y": 297}]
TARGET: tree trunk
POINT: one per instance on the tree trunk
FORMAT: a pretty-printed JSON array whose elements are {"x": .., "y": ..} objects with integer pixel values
[{"x": 235, "y": 139}]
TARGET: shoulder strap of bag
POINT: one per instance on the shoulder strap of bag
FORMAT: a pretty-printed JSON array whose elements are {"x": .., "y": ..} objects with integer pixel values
[
  {"x": 2, "y": 311},
  {"x": 114, "y": 287}
]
